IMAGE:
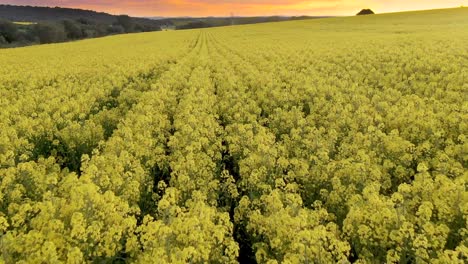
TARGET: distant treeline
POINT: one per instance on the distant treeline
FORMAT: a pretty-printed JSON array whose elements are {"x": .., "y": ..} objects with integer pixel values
[
  {"x": 28, "y": 25},
  {"x": 21, "y": 34},
  {"x": 49, "y": 25},
  {"x": 190, "y": 23},
  {"x": 41, "y": 14}
]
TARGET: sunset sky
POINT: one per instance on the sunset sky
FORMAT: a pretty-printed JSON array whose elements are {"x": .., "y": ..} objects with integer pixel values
[{"x": 242, "y": 7}]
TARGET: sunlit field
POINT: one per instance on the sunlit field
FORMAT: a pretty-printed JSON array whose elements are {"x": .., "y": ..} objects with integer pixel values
[
  {"x": 24, "y": 23},
  {"x": 315, "y": 141}
]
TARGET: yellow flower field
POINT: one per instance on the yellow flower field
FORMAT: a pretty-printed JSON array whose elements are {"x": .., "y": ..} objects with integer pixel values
[{"x": 314, "y": 141}]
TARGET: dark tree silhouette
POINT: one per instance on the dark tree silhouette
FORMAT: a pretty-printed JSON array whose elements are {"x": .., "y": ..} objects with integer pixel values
[
  {"x": 49, "y": 25},
  {"x": 50, "y": 33},
  {"x": 365, "y": 12},
  {"x": 72, "y": 29},
  {"x": 126, "y": 22},
  {"x": 8, "y": 31}
]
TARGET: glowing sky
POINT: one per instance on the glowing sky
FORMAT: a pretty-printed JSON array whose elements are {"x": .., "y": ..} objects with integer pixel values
[{"x": 242, "y": 7}]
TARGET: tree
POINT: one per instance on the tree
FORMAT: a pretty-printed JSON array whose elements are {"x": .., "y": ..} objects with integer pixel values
[
  {"x": 8, "y": 31},
  {"x": 126, "y": 22},
  {"x": 50, "y": 33},
  {"x": 115, "y": 29},
  {"x": 72, "y": 30},
  {"x": 85, "y": 21},
  {"x": 3, "y": 40},
  {"x": 365, "y": 12}
]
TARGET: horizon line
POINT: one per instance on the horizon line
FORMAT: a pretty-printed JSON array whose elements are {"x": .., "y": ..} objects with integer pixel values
[{"x": 227, "y": 16}]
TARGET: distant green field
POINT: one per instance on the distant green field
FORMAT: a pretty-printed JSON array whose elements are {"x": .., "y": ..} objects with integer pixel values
[
  {"x": 340, "y": 140},
  {"x": 24, "y": 23}
]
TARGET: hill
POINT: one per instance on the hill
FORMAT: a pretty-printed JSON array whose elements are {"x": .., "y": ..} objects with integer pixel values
[
  {"x": 26, "y": 25},
  {"x": 204, "y": 22},
  {"x": 338, "y": 140},
  {"x": 47, "y": 14},
  {"x": 43, "y": 14}
]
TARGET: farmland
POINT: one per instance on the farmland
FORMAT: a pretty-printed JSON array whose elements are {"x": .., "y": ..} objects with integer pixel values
[{"x": 318, "y": 141}]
